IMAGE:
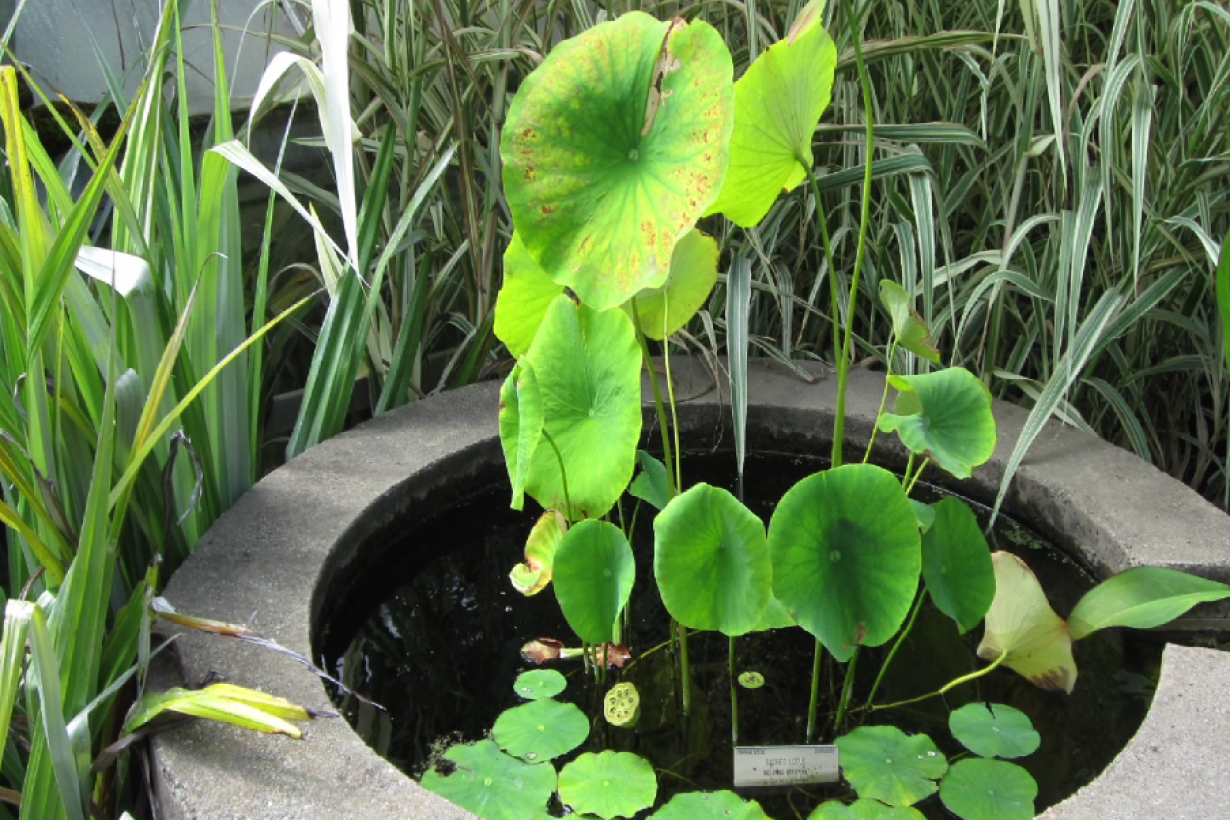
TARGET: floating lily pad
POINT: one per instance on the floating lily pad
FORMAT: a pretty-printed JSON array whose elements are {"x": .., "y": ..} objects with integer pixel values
[
  {"x": 977, "y": 789},
  {"x": 957, "y": 564},
  {"x": 1141, "y": 598},
  {"x": 723, "y": 805},
  {"x": 1022, "y": 624},
  {"x": 622, "y": 705},
  {"x": 711, "y": 561},
  {"x": 608, "y": 784},
  {"x": 541, "y": 730},
  {"x": 909, "y": 328},
  {"x": 694, "y": 269},
  {"x": 751, "y": 680},
  {"x": 846, "y": 556},
  {"x": 778, "y": 103},
  {"x": 614, "y": 147},
  {"x": 492, "y": 784},
  {"x": 587, "y": 367},
  {"x": 651, "y": 485},
  {"x": 537, "y": 684},
  {"x": 954, "y": 425},
  {"x": 994, "y": 730},
  {"x": 886, "y": 764},
  {"x": 864, "y": 810},
  {"x": 521, "y": 424},
  {"x": 526, "y": 294},
  {"x": 594, "y": 572},
  {"x": 533, "y": 576}
]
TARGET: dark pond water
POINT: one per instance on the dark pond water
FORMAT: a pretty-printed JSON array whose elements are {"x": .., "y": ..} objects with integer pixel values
[{"x": 438, "y": 642}]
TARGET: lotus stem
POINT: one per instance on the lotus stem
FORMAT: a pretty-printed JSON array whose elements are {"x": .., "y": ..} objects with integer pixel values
[
  {"x": 922, "y": 596},
  {"x": 657, "y": 399},
  {"x": 685, "y": 670},
  {"x": 846, "y": 690},
  {"x": 917, "y": 475},
  {"x": 952, "y": 684},
  {"x": 815, "y": 693},
  {"x": 875, "y": 428},
  {"x": 563, "y": 474},
  {"x": 734, "y": 698}
]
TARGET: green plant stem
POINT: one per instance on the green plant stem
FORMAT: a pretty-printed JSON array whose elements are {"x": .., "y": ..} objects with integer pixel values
[
  {"x": 685, "y": 671},
  {"x": 875, "y": 430},
  {"x": 905, "y": 476},
  {"x": 922, "y": 596},
  {"x": 815, "y": 692},
  {"x": 952, "y": 684},
  {"x": 563, "y": 474},
  {"x": 917, "y": 474},
  {"x": 670, "y": 394},
  {"x": 847, "y": 690},
  {"x": 834, "y": 307},
  {"x": 734, "y": 698},
  {"x": 657, "y": 400}
]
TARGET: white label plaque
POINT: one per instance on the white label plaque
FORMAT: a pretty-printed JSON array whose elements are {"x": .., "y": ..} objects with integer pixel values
[{"x": 785, "y": 765}]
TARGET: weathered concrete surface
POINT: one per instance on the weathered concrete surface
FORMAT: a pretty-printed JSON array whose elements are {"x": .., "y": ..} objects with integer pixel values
[{"x": 283, "y": 555}]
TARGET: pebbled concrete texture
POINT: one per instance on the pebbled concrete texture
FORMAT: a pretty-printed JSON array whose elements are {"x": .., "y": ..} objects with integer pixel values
[{"x": 284, "y": 557}]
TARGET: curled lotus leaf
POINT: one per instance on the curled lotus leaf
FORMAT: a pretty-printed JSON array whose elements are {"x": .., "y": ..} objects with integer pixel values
[
  {"x": 909, "y": 328},
  {"x": 614, "y": 147},
  {"x": 521, "y": 426},
  {"x": 953, "y": 423},
  {"x": 524, "y": 297},
  {"x": 532, "y": 577}
]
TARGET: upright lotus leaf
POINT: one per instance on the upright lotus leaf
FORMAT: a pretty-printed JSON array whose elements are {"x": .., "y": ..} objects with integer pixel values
[
  {"x": 775, "y": 616},
  {"x": 846, "y": 556},
  {"x": 614, "y": 147},
  {"x": 954, "y": 426},
  {"x": 909, "y": 328},
  {"x": 665, "y": 309},
  {"x": 521, "y": 424},
  {"x": 723, "y": 805},
  {"x": 493, "y": 785},
  {"x": 652, "y": 484},
  {"x": 537, "y": 684},
  {"x": 608, "y": 784},
  {"x": 886, "y": 764},
  {"x": 533, "y": 576},
  {"x": 587, "y": 366},
  {"x": 957, "y": 564},
  {"x": 778, "y": 104},
  {"x": 1143, "y": 597},
  {"x": 711, "y": 561},
  {"x": 994, "y": 730},
  {"x": 1022, "y": 624},
  {"x": 541, "y": 730},
  {"x": 594, "y": 572},
  {"x": 864, "y": 810},
  {"x": 978, "y": 789},
  {"x": 524, "y": 298}
]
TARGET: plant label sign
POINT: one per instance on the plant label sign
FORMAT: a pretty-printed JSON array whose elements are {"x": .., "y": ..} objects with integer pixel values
[{"x": 785, "y": 765}]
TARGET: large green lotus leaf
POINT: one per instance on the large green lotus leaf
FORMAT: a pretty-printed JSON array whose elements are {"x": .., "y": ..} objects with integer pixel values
[
  {"x": 526, "y": 294},
  {"x": 957, "y": 564},
  {"x": 886, "y": 764},
  {"x": 978, "y": 789},
  {"x": 665, "y": 309},
  {"x": 493, "y": 785},
  {"x": 722, "y": 805},
  {"x": 541, "y": 730},
  {"x": 594, "y": 572},
  {"x": 537, "y": 684},
  {"x": 778, "y": 103},
  {"x": 521, "y": 425},
  {"x": 864, "y": 810},
  {"x": 1143, "y": 597},
  {"x": 955, "y": 426},
  {"x": 614, "y": 147},
  {"x": 994, "y": 730},
  {"x": 587, "y": 366},
  {"x": 909, "y": 328},
  {"x": 846, "y": 556},
  {"x": 711, "y": 561},
  {"x": 775, "y": 616},
  {"x": 652, "y": 484},
  {"x": 608, "y": 784},
  {"x": 1022, "y": 624},
  {"x": 533, "y": 576}
]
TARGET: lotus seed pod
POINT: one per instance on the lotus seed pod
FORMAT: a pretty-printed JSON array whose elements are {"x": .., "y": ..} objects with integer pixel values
[{"x": 622, "y": 705}]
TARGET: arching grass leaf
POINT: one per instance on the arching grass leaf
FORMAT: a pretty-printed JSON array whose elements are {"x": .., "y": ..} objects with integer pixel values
[
  {"x": 594, "y": 573},
  {"x": 846, "y": 556},
  {"x": 954, "y": 426},
  {"x": 526, "y": 294},
  {"x": 614, "y": 147},
  {"x": 886, "y": 764},
  {"x": 723, "y": 805},
  {"x": 651, "y": 485},
  {"x": 537, "y": 684},
  {"x": 608, "y": 784},
  {"x": 1141, "y": 598},
  {"x": 521, "y": 424},
  {"x": 533, "y": 576},
  {"x": 1022, "y": 624},
  {"x": 711, "y": 561},
  {"x": 978, "y": 789},
  {"x": 491, "y": 784},
  {"x": 693, "y": 273},
  {"x": 541, "y": 730},
  {"x": 957, "y": 564},
  {"x": 778, "y": 104},
  {"x": 994, "y": 730}
]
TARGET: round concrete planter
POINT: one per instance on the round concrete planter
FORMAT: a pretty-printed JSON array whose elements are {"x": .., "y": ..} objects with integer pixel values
[{"x": 285, "y": 556}]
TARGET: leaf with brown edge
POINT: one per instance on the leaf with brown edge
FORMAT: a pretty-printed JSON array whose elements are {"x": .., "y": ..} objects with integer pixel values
[{"x": 532, "y": 577}]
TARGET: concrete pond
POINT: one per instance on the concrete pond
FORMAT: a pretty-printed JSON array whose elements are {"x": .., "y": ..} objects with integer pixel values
[{"x": 281, "y": 559}]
